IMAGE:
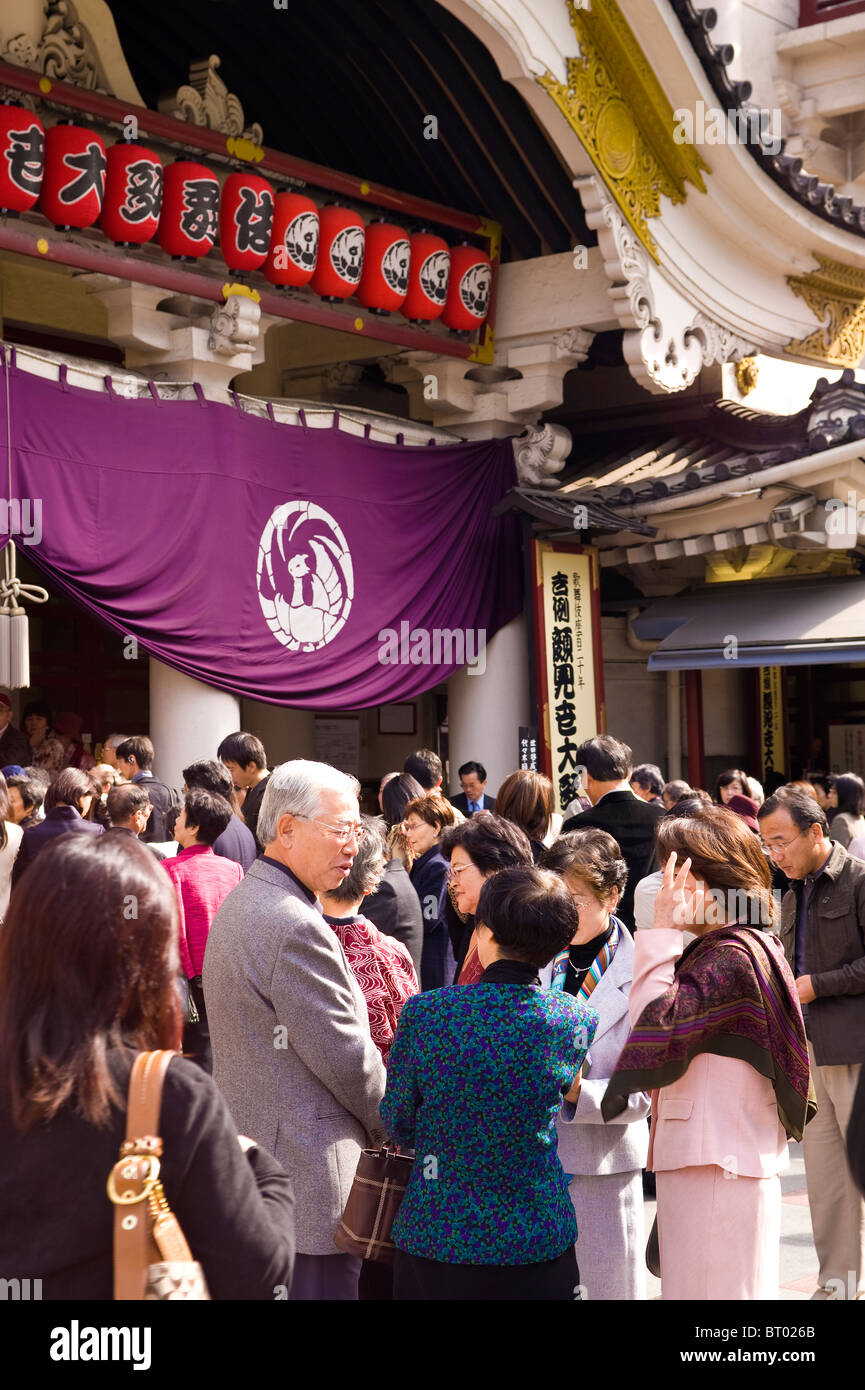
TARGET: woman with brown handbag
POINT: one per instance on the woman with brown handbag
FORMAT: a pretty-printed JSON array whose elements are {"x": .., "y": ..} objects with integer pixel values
[{"x": 88, "y": 964}]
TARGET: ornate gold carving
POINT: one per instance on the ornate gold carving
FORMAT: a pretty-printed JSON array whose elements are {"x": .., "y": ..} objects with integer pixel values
[
  {"x": 770, "y": 562},
  {"x": 836, "y": 294},
  {"x": 618, "y": 108},
  {"x": 205, "y": 100},
  {"x": 747, "y": 372}
]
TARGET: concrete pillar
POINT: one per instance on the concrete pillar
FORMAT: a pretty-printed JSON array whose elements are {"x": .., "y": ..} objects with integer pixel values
[
  {"x": 188, "y": 720},
  {"x": 485, "y": 711},
  {"x": 285, "y": 733}
]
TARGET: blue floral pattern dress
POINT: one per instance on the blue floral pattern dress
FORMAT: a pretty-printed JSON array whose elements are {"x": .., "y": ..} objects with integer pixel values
[{"x": 475, "y": 1082}]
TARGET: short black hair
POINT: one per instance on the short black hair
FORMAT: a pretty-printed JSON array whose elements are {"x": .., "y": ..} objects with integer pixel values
[
  {"x": 648, "y": 775},
  {"x": 242, "y": 749},
  {"x": 30, "y": 791},
  {"x": 605, "y": 758},
  {"x": 478, "y": 768},
  {"x": 210, "y": 776},
  {"x": 68, "y": 789},
  {"x": 207, "y": 813},
  {"x": 39, "y": 708},
  {"x": 530, "y": 913},
  {"x": 802, "y": 809},
  {"x": 396, "y": 795},
  {"x": 425, "y": 767},
  {"x": 138, "y": 747},
  {"x": 124, "y": 801},
  {"x": 731, "y": 774},
  {"x": 491, "y": 843}
]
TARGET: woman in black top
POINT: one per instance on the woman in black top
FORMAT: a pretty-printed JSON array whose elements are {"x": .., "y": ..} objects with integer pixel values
[{"x": 88, "y": 963}]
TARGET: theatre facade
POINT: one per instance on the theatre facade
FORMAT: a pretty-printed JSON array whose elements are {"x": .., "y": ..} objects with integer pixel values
[{"x": 472, "y": 375}]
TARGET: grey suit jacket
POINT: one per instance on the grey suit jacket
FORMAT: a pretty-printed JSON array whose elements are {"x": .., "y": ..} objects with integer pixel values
[
  {"x": 292, "y": 1051},
  {"x": 586, "y": 1144}
]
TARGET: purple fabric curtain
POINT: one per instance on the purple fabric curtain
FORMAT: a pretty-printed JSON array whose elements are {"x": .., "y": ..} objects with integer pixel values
[{"x": 291, "y": 564}]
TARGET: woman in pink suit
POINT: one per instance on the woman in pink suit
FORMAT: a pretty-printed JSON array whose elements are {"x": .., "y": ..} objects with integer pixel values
[{"x": 717, "y": 1035}]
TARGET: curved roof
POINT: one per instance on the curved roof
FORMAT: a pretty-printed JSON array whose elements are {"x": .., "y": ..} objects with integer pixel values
[{"x": 786, "y": 170}]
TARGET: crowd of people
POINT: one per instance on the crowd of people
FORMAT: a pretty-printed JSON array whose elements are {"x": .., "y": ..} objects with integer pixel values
[{"x": 551, "y": 1013}]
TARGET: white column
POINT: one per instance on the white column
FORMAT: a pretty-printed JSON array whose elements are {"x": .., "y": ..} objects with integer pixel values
[
  {"x": 485, "y": 711},
  {"x": 188, "y": 720}
]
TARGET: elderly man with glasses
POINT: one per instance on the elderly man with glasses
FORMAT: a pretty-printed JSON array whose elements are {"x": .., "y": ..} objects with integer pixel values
[
  {"x": 823, "y": 935},
  {"x": 292, "y": 1051}
]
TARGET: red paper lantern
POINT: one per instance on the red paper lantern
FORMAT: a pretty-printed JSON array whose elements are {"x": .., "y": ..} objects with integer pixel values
[
  {"x": 245, "y": 221},
  {"x": 468, "y": 301},
  {"x": 22, "y": 158},
  {"x": 294, "y": 242},
  {"x": 384, "y": 280},
  {"x": 340, "y": 253},
  {"x": 428, "y": 275},
  {"x": 133, "y": 195},
  {"x": 190, "y": 210},
  {"x": 74, "y": 181}
]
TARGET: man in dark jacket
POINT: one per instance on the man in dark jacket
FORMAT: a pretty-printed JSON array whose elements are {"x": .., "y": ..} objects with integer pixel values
[
  {"x": 14, "y": 745},
  {"x": 135, "y": 763},
  {"x": 823, "y": 935},
  {"x": 608, "y": 765},
  {"x": 473, "y": 797}
]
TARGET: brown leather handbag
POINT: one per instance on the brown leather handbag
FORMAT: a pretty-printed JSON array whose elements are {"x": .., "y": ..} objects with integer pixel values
[
  {"x": 373, "y": 1202},
  {"x": 152, "y": 1260}
]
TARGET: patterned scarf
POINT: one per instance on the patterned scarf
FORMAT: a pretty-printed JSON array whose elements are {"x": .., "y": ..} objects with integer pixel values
[
  {"x": 733, "y": 995},
  {"x": 603, "y": 960},
  {"x": 383, "y": 968}
]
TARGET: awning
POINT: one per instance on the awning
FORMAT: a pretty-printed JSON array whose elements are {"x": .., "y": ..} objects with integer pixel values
[{"x": 757, "y": 624}]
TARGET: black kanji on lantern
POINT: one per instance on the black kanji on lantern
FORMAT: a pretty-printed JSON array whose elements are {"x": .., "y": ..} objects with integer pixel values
[
  {"x": 200, "y": 209},
  {"x": 25, "y": 155},
  {"x": 143, "y": 191},
  {"x": 90, "y": 165},
  {"x": 254, "y": 217}
]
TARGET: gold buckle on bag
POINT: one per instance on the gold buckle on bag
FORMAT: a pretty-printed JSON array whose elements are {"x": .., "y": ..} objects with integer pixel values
[{"x": 128, "y": 1170}]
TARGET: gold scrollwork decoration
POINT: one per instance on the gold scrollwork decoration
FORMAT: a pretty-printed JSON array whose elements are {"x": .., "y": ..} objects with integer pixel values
[
  {"x": 618, "y": 108},
  {"x": 835, "y": 293}
]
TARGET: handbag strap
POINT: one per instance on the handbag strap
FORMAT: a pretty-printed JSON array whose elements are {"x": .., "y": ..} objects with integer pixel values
[{"x": 133, "y": 1176}]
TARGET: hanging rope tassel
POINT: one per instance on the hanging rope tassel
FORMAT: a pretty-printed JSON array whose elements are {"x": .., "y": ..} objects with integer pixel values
[{"x": 14, "y": 626}]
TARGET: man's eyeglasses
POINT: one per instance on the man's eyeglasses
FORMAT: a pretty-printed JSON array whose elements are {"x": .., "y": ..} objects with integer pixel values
[
  {"x": 344, "y": 832},
  {"x": 774, "y": 847}
]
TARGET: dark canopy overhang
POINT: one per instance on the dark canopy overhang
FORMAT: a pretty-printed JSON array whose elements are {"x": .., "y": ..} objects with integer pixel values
[{"x": 729, "y": 625}]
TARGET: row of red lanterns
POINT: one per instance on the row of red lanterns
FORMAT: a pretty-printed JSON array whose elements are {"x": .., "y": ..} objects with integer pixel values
[{"x": 127, "y": 193}]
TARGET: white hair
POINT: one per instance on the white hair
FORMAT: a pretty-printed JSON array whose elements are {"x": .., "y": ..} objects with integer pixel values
[{"x": 296, "y": 787}]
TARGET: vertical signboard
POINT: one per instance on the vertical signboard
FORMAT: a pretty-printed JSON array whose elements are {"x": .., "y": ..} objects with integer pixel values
[
  {"x": 570, "y": 689},
  {"x": 771, "y": 720},
  {"x": 529, "y": 752}
]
